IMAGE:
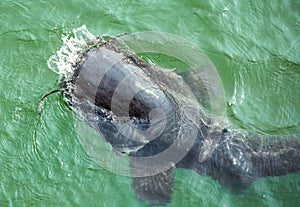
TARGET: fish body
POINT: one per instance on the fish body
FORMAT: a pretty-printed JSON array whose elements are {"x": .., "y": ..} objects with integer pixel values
[{"x": 142, "y": 110}]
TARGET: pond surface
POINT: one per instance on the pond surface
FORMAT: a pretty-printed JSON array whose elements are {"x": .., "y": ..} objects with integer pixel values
[{"x": 255, "y": 47}]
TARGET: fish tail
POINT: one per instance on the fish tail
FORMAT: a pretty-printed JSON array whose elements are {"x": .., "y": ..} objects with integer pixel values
[{"x": 276, "y": 155}]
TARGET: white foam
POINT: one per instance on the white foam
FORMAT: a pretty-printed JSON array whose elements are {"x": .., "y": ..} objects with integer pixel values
[{"x": 74, "y": 45}]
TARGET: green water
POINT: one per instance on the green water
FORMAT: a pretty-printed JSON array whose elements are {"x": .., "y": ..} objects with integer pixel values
[{"x": 255, "y": 46}]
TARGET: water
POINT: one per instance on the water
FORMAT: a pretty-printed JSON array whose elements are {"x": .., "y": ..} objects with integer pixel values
[{"x": 254, "y": 46}]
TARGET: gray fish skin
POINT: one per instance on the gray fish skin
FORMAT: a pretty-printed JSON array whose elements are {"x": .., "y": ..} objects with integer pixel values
[{"x": 240, "y": 157}]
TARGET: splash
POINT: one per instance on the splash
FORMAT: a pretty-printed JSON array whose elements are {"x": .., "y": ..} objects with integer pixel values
[{"x": 74, "y": 45}]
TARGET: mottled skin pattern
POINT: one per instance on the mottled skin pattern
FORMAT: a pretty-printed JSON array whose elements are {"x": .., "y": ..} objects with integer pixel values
[{"x": 239, "y": 157}]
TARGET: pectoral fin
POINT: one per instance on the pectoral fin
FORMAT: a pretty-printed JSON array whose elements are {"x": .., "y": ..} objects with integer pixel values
[{"x": 155, "y": 189}]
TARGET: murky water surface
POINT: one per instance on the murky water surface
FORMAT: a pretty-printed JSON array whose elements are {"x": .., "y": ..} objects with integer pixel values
[{"x": 255, "y": 47}]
